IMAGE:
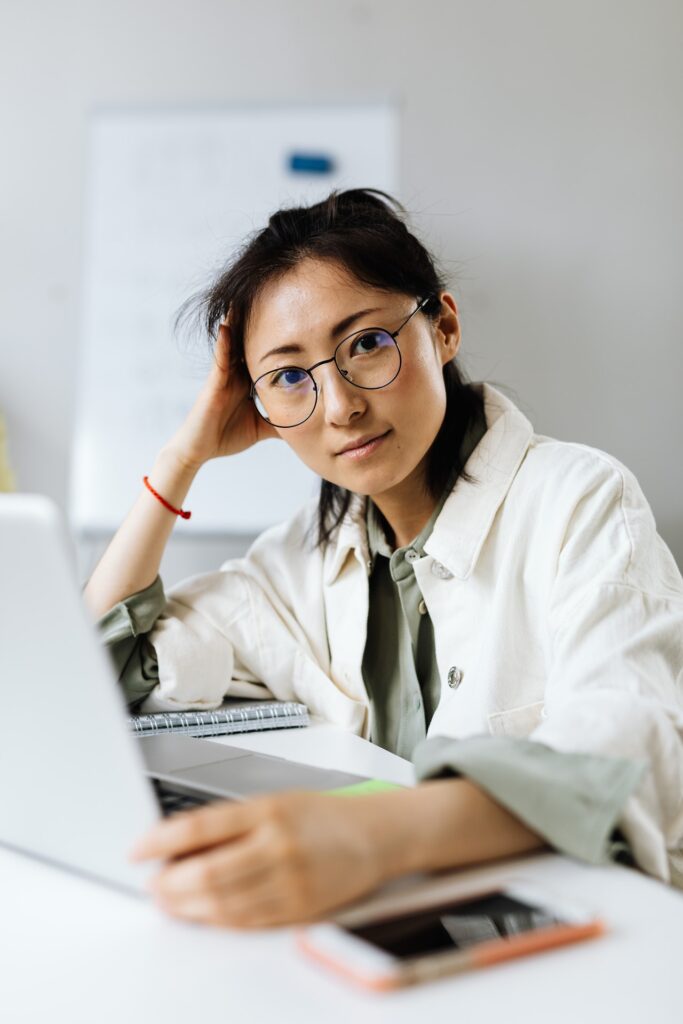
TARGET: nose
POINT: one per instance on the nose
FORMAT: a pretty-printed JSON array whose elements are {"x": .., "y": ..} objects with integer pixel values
[{"x": 341, "y": 401}]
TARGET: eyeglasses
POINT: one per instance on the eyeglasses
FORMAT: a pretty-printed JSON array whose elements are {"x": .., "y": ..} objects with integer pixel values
[{"x": 368, "y": 359}]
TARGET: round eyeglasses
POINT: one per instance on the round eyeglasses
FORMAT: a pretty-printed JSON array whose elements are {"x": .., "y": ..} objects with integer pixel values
[{"x": 368, "y": 359}]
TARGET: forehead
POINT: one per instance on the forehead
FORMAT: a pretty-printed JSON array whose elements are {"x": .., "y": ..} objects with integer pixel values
[{"x": 307, "y": 301}]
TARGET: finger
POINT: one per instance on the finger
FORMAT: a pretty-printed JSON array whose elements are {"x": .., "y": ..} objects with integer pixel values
[
  {"x": 268, "y": 906},
  {"x": 222, "y": 348},
  {"x": 223, "y": 902},
  {"x": 255, "y": 898},
  {"x": 194, "y": 830},
  {"x": 220, "y": 869},
  {"x": 253, "y": 911}
]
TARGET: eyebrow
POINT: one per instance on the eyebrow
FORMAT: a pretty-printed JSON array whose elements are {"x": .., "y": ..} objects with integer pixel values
[{"x": 343, "y": 325}]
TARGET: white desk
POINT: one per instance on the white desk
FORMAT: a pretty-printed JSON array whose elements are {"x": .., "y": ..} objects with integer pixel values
[{"x": 72, "y": 951}]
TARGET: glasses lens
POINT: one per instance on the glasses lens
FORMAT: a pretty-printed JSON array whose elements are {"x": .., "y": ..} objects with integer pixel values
[
  {"x": 370, "y": 359},
  {"x": 285, "y": 397}
]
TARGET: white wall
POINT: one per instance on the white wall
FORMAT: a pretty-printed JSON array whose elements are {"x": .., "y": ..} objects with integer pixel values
[{"x": 542, "y": 157}]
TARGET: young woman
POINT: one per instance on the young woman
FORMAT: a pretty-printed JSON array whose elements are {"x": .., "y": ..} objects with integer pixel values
[{"x": 493, "y": 603}]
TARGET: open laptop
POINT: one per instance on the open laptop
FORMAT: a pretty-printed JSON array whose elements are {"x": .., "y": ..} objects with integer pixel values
[{"x": 77, "y": 788}]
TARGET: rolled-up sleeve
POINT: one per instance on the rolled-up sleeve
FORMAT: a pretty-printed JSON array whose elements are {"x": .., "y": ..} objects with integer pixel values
[
  {"x": 124, "y": 630},
  {"x": 573, "y": 801},
  {"x": 213, "y": 635}
]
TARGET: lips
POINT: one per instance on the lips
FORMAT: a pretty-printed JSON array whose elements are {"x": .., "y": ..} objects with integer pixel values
[{"x": 360, "y": 441}]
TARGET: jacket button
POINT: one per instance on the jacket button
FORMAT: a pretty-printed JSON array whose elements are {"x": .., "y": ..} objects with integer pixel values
[
  {"x": 441, "y": 571},
  {"x": 455, "y": 675}
]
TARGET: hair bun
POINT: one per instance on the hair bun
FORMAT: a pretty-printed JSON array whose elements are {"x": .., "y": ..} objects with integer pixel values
[{"x": 373, "y": 198}]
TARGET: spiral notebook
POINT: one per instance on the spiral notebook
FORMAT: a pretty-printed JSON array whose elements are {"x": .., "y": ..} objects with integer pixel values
[{"x": 232, "y": 716}]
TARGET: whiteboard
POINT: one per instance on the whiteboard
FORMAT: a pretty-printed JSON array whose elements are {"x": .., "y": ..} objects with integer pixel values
[{"x": 170, "y": 195}]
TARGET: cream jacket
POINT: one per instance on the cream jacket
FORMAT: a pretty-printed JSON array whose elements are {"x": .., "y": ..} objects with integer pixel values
[{"x": 557, "y": 613}]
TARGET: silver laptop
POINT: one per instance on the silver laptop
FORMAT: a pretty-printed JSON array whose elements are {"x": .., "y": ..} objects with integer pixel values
[{"x": 77, "y": 788}]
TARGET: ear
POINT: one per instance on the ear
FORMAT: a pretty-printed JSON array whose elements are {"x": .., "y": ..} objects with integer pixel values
[{"x": 447, "y": 328}]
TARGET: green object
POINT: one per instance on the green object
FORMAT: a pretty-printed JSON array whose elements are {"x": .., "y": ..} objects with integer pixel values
[{"x": 364, "y": 788}]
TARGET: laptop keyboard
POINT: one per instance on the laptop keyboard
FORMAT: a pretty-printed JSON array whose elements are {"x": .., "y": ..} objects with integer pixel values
[{"x": 171, "y": 801}]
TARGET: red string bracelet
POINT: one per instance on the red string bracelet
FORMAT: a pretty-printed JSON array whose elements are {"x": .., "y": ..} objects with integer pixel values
[{"x": 178, "y": 511}]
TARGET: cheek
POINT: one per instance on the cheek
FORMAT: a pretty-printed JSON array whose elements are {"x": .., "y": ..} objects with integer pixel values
[
  {"x": 307, "y": 445},
  {"x": 417, "y": 396}
]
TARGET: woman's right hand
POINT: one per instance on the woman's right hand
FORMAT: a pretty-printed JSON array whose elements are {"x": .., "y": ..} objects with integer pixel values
[{"x": 223, "y": 419}]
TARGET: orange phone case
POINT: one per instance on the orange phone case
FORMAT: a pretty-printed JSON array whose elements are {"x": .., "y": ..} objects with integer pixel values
[{"x": 429, "y": 968}]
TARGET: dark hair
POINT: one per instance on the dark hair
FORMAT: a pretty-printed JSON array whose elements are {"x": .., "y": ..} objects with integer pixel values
[{"x": 362, "y": 230}]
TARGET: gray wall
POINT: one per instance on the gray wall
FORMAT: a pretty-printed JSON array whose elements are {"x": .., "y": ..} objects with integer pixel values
[{"x": 542, "y": 157}]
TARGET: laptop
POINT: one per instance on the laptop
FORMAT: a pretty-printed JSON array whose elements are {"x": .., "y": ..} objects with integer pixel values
[{"x": 77, "y": 788}]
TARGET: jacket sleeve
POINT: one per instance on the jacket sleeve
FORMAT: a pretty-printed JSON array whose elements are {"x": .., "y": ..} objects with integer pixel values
[
  {"x": 206, "y": 645},
  {"x": 614, "y": 691},
  {"x": 614, "y": 686}
]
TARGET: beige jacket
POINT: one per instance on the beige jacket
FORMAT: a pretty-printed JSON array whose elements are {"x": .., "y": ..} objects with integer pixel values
[{"x": 557, "y": 613}]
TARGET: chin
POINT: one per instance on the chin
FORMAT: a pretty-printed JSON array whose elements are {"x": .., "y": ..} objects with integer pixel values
[{"x": 372, "y": 482}]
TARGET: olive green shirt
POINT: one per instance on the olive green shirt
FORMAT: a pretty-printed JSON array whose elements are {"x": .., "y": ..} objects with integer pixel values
[{"x": 399, "y": 663}]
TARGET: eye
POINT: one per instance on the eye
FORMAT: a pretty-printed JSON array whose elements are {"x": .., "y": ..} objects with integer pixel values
[
  {"x": 367, "y": 343},
  {"x": 289, "y": 377}
]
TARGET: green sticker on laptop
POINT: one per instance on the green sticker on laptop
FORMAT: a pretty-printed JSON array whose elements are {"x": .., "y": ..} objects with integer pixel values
[{"x": 364, "y": 788}]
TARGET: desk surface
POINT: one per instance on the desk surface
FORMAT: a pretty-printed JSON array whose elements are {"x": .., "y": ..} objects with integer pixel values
[{"x": 71, "y": 950}]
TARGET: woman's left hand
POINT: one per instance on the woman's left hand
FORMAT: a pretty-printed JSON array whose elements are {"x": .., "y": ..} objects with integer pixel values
[{"x": 273, "y": 860}]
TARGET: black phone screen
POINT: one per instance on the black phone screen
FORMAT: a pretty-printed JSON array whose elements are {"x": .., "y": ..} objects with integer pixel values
[{"x": 457, "y": 925}]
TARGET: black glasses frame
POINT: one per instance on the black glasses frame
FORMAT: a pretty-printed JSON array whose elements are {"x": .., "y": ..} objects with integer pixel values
[{"x": 333, "y": 359}]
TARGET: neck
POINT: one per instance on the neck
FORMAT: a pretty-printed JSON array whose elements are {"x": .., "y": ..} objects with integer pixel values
[{"x": 406, "y": 507}]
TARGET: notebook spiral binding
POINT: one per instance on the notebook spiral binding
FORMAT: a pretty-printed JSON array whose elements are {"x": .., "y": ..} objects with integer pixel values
[{"x": 224, "y": 720}]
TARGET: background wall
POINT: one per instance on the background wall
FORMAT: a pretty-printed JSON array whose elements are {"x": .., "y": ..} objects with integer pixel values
[{"x": 542, "y": 157}]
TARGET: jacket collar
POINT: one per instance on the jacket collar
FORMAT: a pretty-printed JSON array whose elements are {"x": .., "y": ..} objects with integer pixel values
[{"x": 468, "y": 513}]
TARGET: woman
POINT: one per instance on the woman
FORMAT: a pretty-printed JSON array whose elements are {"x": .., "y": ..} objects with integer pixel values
[{"x": 462, "y": 577}]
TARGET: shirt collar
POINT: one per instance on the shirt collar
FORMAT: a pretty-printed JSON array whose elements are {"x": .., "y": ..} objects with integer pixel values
[
  {"x": 469, "y": 510},
  {"x": 377, "y": 539}
]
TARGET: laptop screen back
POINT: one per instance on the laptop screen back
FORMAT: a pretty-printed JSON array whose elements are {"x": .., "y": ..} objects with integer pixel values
[{"x": 71, "y": 776}]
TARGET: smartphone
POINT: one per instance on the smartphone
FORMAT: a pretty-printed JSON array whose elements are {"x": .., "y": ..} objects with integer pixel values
[{"x": 424, "y": 943}]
